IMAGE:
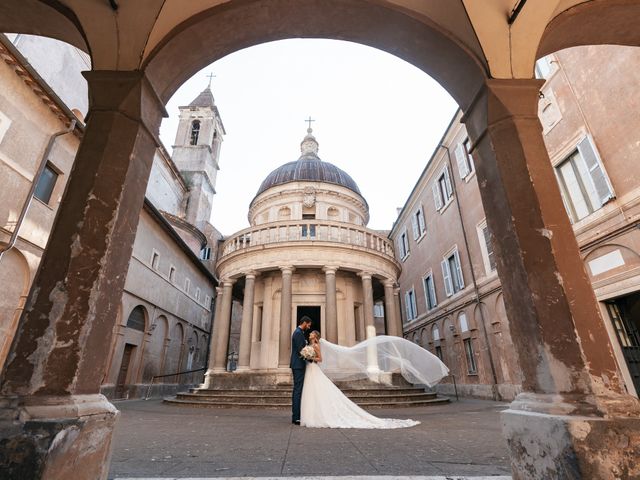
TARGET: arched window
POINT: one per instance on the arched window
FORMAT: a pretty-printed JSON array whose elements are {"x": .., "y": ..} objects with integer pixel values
[
  {"x": 464, "y": 325},
  {"x": 136, "y": 319},
  {"x": 195, "y": 132},
  {"x": 435, "y": 333}
]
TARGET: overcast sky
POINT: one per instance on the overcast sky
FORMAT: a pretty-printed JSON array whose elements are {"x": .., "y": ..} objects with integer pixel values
[{"x": 377, "y": 117}]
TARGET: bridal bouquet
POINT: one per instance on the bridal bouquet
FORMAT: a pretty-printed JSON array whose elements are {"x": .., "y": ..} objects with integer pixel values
[{"x": 308, "y": 353}]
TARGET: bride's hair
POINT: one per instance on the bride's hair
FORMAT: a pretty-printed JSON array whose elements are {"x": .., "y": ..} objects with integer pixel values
[{"x": 316, "y": 333}]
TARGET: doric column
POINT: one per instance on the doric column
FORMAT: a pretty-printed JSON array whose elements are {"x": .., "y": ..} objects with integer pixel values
[
  {"x": 247, "y": 322},
  {"x": 331, "y": 304},
  {"x": 284, "y": 352},
  {"x": 224, "y": 326},
  {"x": 369, "y": 324},
  {"x": 367, "y": 302},
  {"x": 62, "y": 344},
  {"x": 398, "y": 310},
  {"x": 390, "y": 309},
  {"x": 572, "y": 388}
]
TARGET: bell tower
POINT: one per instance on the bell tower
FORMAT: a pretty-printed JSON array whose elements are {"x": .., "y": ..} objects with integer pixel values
[{"x": 196, "y": 153}]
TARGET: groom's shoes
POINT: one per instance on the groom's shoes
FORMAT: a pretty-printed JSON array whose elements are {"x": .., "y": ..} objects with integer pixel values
[{"x": 296, "y": 422}]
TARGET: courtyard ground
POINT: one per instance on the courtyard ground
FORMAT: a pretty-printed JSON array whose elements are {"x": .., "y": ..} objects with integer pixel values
[{"x": 153, "y": 439}]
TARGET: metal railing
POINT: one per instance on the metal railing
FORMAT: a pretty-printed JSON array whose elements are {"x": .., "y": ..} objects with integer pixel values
[
  {"x": 176, "y": 374},
  {"x": 308, "y": 231}
]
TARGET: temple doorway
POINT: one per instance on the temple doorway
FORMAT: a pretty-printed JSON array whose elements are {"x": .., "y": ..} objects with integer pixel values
[{"x": 313, "y": 312}]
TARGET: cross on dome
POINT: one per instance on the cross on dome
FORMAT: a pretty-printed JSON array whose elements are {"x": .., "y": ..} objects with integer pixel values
[{"x": 309, "y": 145}]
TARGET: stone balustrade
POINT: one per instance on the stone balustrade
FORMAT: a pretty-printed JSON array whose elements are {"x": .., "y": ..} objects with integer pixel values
[{"x": 308, "y": 231}]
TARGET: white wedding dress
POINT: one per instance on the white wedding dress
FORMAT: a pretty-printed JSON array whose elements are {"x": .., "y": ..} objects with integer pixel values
[{"x": 325, "y": 406}]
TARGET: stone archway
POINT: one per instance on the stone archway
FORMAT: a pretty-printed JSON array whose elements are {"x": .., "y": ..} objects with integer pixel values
[{"x": 553, "y": 315}]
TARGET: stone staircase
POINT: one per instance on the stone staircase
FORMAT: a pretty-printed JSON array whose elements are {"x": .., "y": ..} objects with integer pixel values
[{"x": 279, "y": 396}]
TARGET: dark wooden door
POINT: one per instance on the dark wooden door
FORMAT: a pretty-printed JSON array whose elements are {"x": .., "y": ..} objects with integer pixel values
[
  {"x": 625, "y": 316},
  {"x": 124, "y": 370}
]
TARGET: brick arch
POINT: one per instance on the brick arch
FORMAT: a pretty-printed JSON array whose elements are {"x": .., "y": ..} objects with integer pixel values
[
  {"x": 221, "y": 30},
  {"x": 613, "y": 22}
]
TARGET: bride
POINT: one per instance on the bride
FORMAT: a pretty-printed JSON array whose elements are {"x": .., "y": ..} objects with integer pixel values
[{"x": 324, "y": 405}]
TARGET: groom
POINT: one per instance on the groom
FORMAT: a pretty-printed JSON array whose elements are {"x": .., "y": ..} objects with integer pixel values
[{"x": 298, "y": 366}]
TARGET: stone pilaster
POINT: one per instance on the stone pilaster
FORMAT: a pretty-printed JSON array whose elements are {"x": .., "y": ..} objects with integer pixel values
[
  {"x": 284, "y": 350},
  {"x": 331, "y": 304},
  {"x": 367, "y": 303},
  {"x": 573, "y": 402},
  {"x": 398, "y": 310},
  {"x": 244, "y": 358},
  {"x": 208, "y": 377},
  {"x": 55, "y": 423}
]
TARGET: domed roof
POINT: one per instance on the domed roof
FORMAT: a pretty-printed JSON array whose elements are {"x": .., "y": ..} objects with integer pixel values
[{"x": 308, "y": 168}]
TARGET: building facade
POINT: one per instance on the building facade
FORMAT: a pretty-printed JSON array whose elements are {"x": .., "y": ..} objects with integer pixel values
[
  {"x": 307, "y": 252},
  {"x": 452, "y": 297},
  {"x": 164, "y": 321}
]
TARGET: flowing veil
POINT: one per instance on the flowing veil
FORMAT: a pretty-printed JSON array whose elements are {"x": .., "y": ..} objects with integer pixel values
[{"x": 378, "y": 357}]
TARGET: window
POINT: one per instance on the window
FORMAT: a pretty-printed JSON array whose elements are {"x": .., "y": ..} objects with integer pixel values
[
  {"x": 205, "y": 253},
  {"x": 172, "y": 274},
  {"x": 136, "y": 319},
  {"x": 195, "y": 132},
  {"x": 417, "y": 222},
  {"x": 452, "y": 273},
  {"x": 46, "y": 183},
  {"x": 198, "y": 294},
  {"x": 430, "y": 292},
  {"x": 378, "y": 310},
  {"x": 207, "y": 301},
  {"x": 486, "y": 247},
  {"x": 187, "y": 285},
  {"x": 471, "y": 357},
  {"x": 309, "y": 231},
  {"x": 155, "y": 260},
  {"x": 462, "y": 321},
  {"x": 435, "y": 333},
  {"x": 439, "y": 351},
  {"x": 583, "y": 181},
  {"x": 443, "y": 189},
  {"x": 403, "y": 245},
  {"x": 410, "y": 305},
  {"x": 463, "y": 157}
]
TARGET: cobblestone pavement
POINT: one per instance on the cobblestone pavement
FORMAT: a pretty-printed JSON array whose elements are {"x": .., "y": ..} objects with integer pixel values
[{"x": 163, "y": 441}]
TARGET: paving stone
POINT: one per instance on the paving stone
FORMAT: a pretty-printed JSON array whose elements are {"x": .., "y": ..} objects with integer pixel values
[{"x": 155, "y": 440}]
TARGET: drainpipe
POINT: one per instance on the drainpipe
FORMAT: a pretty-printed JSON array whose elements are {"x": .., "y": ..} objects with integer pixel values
[
  {"x": 495, "y": 393},
  {"x": 34, "y": 183}
]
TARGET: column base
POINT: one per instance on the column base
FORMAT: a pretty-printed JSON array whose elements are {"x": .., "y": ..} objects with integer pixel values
[
  {"x": 56, "y": 438},
  {"x": 558, "y": 444}
]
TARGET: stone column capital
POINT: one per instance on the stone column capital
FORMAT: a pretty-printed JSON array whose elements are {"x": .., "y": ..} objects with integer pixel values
[
  {"x": 287, "y": 269},
  {"x": 330, "y": 269},
  {"x": 251, "y": 274},
  {"x": 365, "y": 275},
  {"x": 389, "y": 283},
  {"x": 227, "y": 282}
]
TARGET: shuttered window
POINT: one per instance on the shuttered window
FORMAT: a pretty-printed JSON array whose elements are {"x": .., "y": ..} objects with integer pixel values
[
  {"x": 463, "y": 158},
  {"x": 583, "y": 181},
  {"x": 442, "y": 189},
  {"x": 452, "y": 273},
  {"x": 418, "y": 224},
  {"x": 410, "y": 305},
  {"x": 430, "y": 292},
  {"x": 403, "y": 245}
]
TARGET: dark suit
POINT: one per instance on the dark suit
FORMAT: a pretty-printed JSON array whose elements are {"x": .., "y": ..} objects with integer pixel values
[{"x": 298, "y": 366}]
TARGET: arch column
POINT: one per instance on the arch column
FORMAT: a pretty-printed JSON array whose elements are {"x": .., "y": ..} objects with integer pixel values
[
  {"x": 367, "y": 303},
  {"x": 284, "y": 347},
  {"x": 53, "y": 377},
  {"x": 331, "y": 304},
  {"x": 224, "y": 326},
  {"x": 398, "y": 309},
  {"x": 572, "y": 388},
  {"x": 244, "y": 357},
  {"x": 390, "y": 309}
]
